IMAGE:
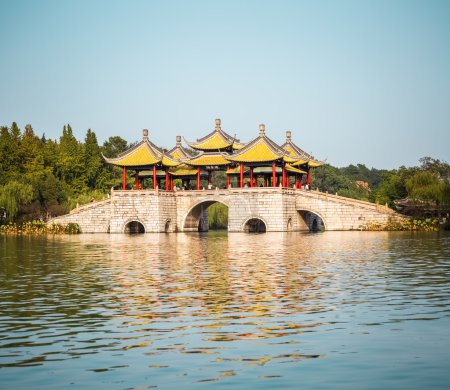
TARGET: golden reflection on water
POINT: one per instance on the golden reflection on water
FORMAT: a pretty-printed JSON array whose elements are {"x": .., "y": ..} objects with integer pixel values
[{"x": 236, "y": 300}]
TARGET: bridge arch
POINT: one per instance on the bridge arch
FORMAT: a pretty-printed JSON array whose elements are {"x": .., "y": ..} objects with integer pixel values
[
  {"x": 311, "y": 220},
  {"x": 254, "y": 224},
  {"x": 134, "y": 226},
  {"x": 196, "y": 219}
]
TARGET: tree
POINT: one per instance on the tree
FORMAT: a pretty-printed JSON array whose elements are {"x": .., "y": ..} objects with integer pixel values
[
  {"x": 10, "y": 140},
  {"x": 392, "y": 188},
  {"x": 13, "y": 195},
  {"x": 438, "y": 168},
  {"x": 70, "y": 165},
  {"x": 427, "y": 187},
  {"x": 114, "y": 146},
  {"x": 94, "y": 169}
]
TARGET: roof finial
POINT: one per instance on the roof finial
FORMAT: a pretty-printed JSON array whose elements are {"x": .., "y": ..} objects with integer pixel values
[
  {"x": 178, "y": 140},
  {"x": 262, "y": 129},
  {"x": 144, "y": 135},
  {"x": 288, "y": 136},
  {"x": 217, "y": 124}
]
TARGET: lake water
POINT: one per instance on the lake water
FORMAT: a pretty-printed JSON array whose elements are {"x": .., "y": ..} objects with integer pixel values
[{"x": 345, "y": 310}]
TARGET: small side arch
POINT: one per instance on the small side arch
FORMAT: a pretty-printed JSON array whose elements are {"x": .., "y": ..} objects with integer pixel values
[
  {"x": 134, "y": 226},
  {"x": 254, "y": 224},
  {"x": 311, "y": 220}
]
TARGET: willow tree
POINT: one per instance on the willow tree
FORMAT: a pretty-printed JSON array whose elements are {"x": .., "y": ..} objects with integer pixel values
[
  {"x": 13, "y": 195},
  {"x": 425, "y": 186}
]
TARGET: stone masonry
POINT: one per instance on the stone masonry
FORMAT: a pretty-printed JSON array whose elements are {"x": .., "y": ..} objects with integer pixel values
[{"x": 280, "y": 209}]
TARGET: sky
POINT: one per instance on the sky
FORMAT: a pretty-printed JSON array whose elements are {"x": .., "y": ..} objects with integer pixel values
[{"x": 355, "y": 81}]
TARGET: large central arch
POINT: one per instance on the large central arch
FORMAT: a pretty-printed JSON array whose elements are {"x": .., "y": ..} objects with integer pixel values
[{"x": 196, "y": 219}]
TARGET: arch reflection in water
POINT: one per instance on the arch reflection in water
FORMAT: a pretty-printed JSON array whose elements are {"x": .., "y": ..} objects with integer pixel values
[{"x": 224, "y": 307}]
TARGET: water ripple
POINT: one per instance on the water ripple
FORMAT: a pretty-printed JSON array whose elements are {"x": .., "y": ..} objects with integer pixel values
[{"x": 223, "y": 307}]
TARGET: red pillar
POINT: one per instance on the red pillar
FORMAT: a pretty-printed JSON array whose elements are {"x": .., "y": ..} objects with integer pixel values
[
  {"x": 124, "y": 178},
  {"x": 154, "y": 177},
  {"x": 241, "y": 175},
  {"x": 228, "y": 180},
  {"x": 198, "y": 178},
  {"x": 136, "y": 179},
  {"x": 308, "y": 179},
  {"x": 171, "y": 183},
  {"x": 283, "y": 175},
  {"x": 274, "y": 174},
  {"x": 167, "y": 179},
  {"x": 251, "y": 177}
]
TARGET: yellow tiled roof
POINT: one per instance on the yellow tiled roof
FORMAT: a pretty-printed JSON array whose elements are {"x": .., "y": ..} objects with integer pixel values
[
  {"x": 183, "y": 170},
  {"x": 290, "y": 151},
  {"x": 259, "y": 152},
  {"x": 208, "y": 159},
  {"x": 290, "y": 168},
  {"x": 141, "y": 155},
  {"x": 177, "y": 154},
  {"x": 292, "y": 160},
  {"x": 169, "y": 161},
  {"x": 214, "y": 142},
  {"x": 238, "y": 145},
  {"x": 236, "y": 171},
  {"x": 301, "y": 155}
]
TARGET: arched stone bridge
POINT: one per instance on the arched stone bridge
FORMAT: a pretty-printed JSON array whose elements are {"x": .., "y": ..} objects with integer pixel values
[{"x": 249, "y": 209}]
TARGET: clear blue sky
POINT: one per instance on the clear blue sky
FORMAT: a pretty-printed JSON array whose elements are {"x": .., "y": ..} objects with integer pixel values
[{"x": 356, "y": 81}]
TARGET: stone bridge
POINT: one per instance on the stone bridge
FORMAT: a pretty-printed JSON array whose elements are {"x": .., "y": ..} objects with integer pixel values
[{"x": 249, "y": 209}]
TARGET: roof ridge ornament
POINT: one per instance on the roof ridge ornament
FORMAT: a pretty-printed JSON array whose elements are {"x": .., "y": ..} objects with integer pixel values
[
  {"x": 178, "y": 140},
  {"x": 288, "y": 136},
  {"x": 262, "y": 130},
  {"x": 218, "y": 124},
  {"x": 144, "y": 134}
]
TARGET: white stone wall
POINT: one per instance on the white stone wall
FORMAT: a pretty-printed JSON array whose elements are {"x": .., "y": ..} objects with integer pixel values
[
  {"x": 339, "y": 213},
  {"x": 160, "y": 211},
  {"x": 92, "y": 218}
]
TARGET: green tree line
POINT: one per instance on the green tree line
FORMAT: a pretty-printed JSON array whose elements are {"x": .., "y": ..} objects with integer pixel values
[
  {"x": 429, "y": 182},
  {"x": 41, "y": 177}
]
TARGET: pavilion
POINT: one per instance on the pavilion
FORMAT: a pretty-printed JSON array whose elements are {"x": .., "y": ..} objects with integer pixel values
[{"x": 260, "y": 162}]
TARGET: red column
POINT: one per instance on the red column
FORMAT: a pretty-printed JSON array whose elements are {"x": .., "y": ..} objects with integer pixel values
[
  {"x": 154, "y": 177},
  {"x": 251, "y": 177},
  {"x": 124, "y": 178},
  {"x": 167, "y": 179},
  {"x": 228, "y": 180},
  {"x": 308, "y": 179},
  {"x": 274, "y": 175},
  {"x": 198, "y": 178},
  {"x": 136, "y": 179},
  {"x": 283, "y": 175},
  {"x": 171, "y": 183},
  {"x": 241, "y": 175}
]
